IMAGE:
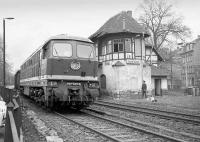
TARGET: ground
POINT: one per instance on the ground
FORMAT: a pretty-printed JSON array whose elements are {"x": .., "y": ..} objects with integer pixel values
[
  {"x": 30, "y": 133},
  {"x": 179, "y": 100}
]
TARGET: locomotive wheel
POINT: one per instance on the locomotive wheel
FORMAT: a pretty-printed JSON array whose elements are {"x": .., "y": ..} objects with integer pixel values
[
  {"x": 90, "y": 99},
  {"x": 42, "y": 100},
  {"x": 78, "y": 107},
  {"x": 85, "y": 100},
  {"x": 46, "y": 104},
  {"x": 51, "y": 102}
]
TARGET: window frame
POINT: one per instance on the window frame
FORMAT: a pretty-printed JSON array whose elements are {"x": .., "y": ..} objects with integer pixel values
[
  {"x": 116, "y": 55},
  {"x": 118, "y": 43},
  {"x": 55, "y": 42},
  {"x": 92, "y": 47}
]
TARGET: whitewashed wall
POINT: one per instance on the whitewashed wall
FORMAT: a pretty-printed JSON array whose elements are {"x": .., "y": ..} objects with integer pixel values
[
  {"x": 152, "y": 83},
  {"x": 127, "y": 77},
  {"x": 164, "y": 83}
]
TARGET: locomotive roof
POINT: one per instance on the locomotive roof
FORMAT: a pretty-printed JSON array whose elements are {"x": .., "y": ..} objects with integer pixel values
[
  {"x": 59, "y": 37},
  {"x": 65, "y": 36}
]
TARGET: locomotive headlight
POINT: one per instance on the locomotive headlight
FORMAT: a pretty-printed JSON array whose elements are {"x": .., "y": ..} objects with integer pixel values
[{"x": 93, "y": 85}]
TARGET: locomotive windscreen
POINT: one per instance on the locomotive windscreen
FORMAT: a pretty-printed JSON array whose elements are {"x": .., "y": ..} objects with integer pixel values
[
  {"x": 62, "y": 49},
  {"x": 85, "y": 51}
]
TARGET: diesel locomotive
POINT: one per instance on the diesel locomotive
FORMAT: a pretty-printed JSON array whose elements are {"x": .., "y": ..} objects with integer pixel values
[{"x": 61, "y": 73}]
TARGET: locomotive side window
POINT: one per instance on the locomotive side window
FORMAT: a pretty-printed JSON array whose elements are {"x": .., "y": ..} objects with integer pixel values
[
  {"x": 62, "y": 49},
  {"x": 85, "y": 51},
  {"x": 46, "y": 52}
]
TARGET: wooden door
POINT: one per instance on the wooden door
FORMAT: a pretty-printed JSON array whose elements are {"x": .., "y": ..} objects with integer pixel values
[{"x": 103, "y": 81}]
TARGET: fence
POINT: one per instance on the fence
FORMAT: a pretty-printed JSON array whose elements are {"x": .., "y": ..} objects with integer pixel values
[
  {"x": 13, "y": 115},
  {"x": 193, "y": 90}
]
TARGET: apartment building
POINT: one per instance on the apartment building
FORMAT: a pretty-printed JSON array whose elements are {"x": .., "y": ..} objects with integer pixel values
[{"x": 190, "y": 53}]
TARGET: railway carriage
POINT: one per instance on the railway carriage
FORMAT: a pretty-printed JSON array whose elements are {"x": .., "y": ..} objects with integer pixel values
[
  {"x": 17, "y": 80},
  {"x": 62, "y": 72}
]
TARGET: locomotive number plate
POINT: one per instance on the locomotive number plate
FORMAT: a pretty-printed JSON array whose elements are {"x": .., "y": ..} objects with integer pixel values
[
  {"x": 75, "y": 65},
  {"x": 73, "y": 84}
]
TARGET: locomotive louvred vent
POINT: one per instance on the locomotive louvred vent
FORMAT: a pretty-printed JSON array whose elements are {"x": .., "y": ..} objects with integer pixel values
[{"x": 83, "y": 73}]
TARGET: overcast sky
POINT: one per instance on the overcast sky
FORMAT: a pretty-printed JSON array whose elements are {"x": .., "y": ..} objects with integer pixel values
[{"x": 37, "y": 20}]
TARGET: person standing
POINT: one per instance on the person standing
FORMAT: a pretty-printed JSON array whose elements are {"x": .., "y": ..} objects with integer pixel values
[{"x": 144, "y": 89}]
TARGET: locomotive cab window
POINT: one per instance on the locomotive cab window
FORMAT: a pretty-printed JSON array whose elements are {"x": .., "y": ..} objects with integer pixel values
[
  {"x": 62, "y": 49},
  {"x": 85, "y": 51},
  {"x": 45, "y": 51}
]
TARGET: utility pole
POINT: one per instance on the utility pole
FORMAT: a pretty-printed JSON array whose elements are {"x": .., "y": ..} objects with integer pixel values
[
  {"x": 171, "y": 76},
  {"x": 186, "y": 75},
  {"x": 142, "y": 60},
  {"x": 171, "y": 68},
  {"x": 4, "y": 51}
]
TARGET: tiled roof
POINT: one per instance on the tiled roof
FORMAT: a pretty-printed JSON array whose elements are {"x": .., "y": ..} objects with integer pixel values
[
  {"x": 120, "y": 23},
  {"x": 155, "y": 71},
  {"x": 149, "y": 45}
]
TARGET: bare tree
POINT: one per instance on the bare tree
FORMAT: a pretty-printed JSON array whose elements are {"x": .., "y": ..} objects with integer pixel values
[{"x": 162, "y": 22}]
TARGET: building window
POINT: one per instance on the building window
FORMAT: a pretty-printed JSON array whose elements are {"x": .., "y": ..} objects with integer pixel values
[
  {"x": 103, "y": 50},
  {"x": 128, "y": 45},
  {"x": 118, "y": 45},
  {"x": 118, "y": 49},
  {"x": 96, "y": 50},
  {"x": 133, "y": 45},
  {"x": 109, "y": 47}
]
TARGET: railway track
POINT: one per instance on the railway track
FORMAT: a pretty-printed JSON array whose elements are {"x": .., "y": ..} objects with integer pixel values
[
  {"x": 194, "y": 119},
  {"x": 108, "y": 127},
  {"x": 117, "y": 130},
  {"x": 148, "y": 126}
]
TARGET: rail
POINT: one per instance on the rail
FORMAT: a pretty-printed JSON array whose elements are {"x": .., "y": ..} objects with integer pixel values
[
  {"x": 161, "y": 113},
  {"x": 13, "y": 115}
]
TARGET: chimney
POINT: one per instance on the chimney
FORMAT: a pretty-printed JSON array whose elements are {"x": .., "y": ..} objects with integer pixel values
[
  {"x": 129, "y": 13},
  {"x": 124, "y": 23}
]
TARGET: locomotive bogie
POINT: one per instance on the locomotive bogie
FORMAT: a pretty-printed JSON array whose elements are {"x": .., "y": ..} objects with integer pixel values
[
  {"x": 65, "y": 93},
  {"x": 73, "y": 94}
]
